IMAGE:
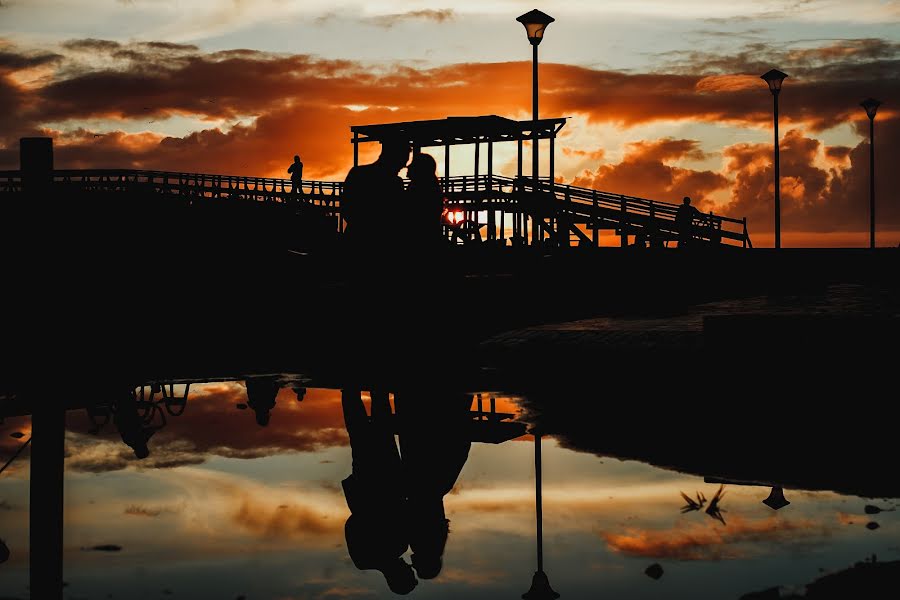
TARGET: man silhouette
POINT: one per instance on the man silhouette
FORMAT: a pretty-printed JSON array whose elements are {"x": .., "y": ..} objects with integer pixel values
[
  {"x": 296, "y": 171},
  {"x": 684, "y": 222},
  {"x": 372, "y": 196},
  {"x": 376, "y": 532}
]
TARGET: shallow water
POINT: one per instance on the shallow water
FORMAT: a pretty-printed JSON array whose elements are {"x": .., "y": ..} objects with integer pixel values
[{"x": 225, "y": 508}]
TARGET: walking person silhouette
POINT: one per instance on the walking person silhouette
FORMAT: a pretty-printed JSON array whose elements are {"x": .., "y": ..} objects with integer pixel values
[
  {"x": 684, "y": 222},
  {"x": 296, "y": 172}
]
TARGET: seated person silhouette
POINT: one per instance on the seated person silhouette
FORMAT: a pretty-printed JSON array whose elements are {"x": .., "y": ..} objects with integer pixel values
[
  {"x": 131, "y": 427},
  {"x": 434, "y": 441},
  {"x": 376, "y": 531}
]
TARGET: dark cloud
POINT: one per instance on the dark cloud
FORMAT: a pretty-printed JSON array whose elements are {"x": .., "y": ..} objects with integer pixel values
[
  {"x": 440, "y": 15},
  {"x": 91, "y": 45},
  {"x": 14, "y": 61},
  {"x": 137, "y": 510},
  {"x": 838, "y": 153}
]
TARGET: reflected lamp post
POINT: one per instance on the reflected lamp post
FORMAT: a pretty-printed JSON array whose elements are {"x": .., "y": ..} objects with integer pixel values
[
  {"x": 775, "y": 78},
  {"x": 535, "y": 23},
  {"x": 540, "y": 583},
  {"x": 871, "y": 105}
]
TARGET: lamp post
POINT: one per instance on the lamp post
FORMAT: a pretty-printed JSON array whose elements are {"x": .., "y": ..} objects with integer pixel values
[
  {"x": 775, "y": 78},
  {"x": 871, "y": 105},
  {"x": 535, "y": 23},
  {"x": 540, "y": 583}
]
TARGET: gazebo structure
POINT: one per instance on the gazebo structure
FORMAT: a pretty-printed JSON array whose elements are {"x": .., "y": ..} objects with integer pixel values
[
  {"x": 498, "y": 196},
  {"x": 538, "y": 209}
]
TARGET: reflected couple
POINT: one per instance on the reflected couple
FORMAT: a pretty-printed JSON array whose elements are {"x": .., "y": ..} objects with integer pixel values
[{"x": 396, "y": 495}]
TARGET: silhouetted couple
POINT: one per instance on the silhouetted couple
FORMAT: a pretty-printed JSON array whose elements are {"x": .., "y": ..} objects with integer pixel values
[
  {"x": 398, "y": 504},
  {"x": 393, "y": 238},
  {"x": 381, "y": 216}
]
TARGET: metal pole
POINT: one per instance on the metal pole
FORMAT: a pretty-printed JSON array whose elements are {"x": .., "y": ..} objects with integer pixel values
[
  {"x": 535, "y": 229},
  {"x": 777, "y": 179},
  {"x": 871, "y": 182},
  {"x": 446, "y": 168}
]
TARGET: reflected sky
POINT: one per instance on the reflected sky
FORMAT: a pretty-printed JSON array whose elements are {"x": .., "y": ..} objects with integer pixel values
[{"x": 224, "y": 508}]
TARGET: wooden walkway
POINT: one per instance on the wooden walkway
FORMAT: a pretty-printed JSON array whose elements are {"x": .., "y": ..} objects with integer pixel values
[{"x": 533, "y": 213}]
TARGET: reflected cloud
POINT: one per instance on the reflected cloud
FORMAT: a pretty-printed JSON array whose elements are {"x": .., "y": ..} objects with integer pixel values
[
  {"x": 714, "y": 542},
  {"x": 137, "y": 510},
  {"x": 283, "y": 521},
  {"x": 212, "y": 425}
]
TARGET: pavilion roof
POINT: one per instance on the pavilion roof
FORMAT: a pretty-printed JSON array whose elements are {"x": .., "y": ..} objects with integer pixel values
[{"x": 458, "y": 130}]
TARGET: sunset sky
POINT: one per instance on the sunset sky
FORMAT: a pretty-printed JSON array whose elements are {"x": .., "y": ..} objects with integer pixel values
[{"x": 664, "y": 96}]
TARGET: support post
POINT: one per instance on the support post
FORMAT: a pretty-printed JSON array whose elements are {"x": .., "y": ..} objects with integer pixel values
[
  {"x": 46, "y": 506},
  {"x": 492, "y": 220}
]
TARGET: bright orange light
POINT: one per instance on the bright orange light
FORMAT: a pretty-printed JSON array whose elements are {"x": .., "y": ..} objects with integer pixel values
[{"x": 457, "y": 216}]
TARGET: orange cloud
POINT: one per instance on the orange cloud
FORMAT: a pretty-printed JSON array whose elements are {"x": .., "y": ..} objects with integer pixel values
[
  {"x": 644, "y": 172},
  {"x": 711, "y": 542},
  {"x": 284, "y": 521}
]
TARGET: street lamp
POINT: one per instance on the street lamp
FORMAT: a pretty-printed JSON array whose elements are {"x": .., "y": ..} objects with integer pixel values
[
  {"x": 535, "y": 23},
  {"x": 540, "y": 583},
  {"x": 775, "y": 78},
  {"x": 871, "y": 105}
]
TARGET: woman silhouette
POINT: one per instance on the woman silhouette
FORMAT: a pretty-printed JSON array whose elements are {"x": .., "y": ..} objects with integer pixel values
[{"x": 424, "y": 202}]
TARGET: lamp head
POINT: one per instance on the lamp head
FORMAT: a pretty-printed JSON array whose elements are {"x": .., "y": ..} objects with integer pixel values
[
  {"x": 774, "y": 78},
  {"x": 871, "y": 105},
  {"x": 535, "y": 23}
]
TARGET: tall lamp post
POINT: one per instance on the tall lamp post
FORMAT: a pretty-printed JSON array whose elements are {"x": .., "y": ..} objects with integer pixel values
[
  {"x": 871, "y": 105},
  {"x": 535, "y": 23},
  {"x": 775, "y": 78},
  {"x": 540, "y": 583}
]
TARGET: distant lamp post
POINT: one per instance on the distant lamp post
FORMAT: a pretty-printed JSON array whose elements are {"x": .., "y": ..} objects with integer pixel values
[
  {"x": 776, "y": 499},
  {"x": 535, "y": 23},
  {"x": 775, "y": 78},
  {"x": 871, "y": 105},
  {"x": 540, "y": 583}
]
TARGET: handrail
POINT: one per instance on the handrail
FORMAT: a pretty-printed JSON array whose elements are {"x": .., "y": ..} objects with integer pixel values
[{"x": 580, "y": 201}]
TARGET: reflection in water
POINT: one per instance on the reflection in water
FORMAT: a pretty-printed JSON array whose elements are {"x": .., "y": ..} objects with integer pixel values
[
  {"x": 691, "y": 504},
  {"x": 376, "y": 532},
  {"x": 776, "y": 499},
  {"x": 241, "y": 499},
  {"x": 714, "y": 510}
]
